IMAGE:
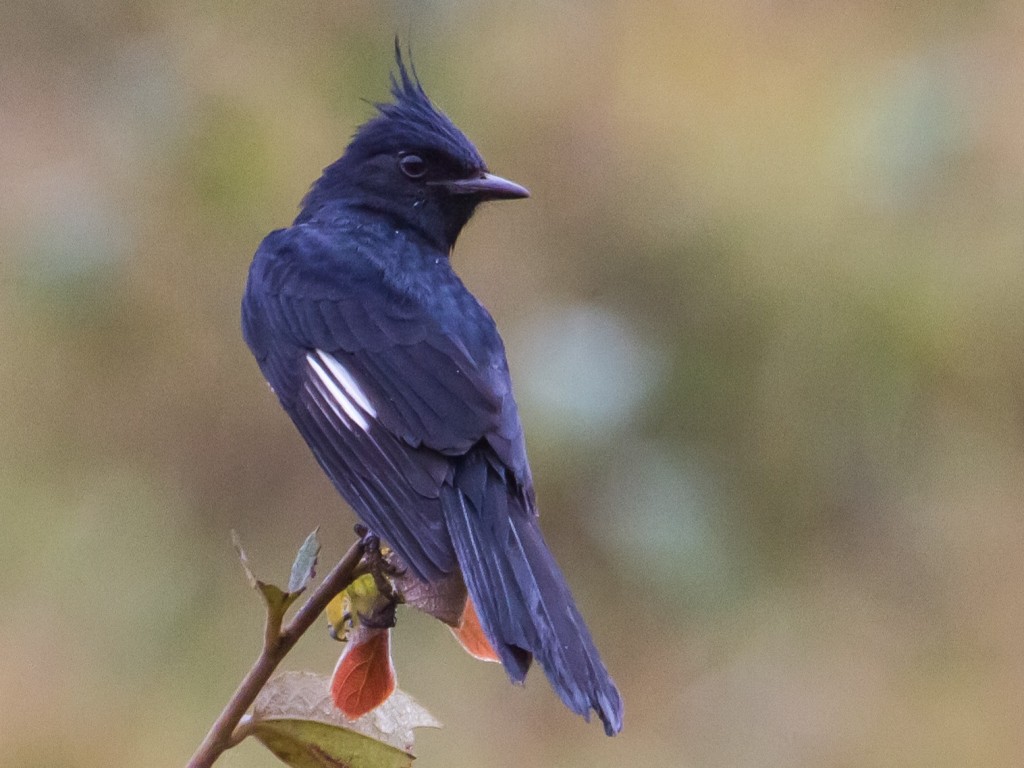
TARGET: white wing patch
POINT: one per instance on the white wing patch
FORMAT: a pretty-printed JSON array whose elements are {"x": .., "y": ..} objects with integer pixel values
[{"x": 342, "y": 390}]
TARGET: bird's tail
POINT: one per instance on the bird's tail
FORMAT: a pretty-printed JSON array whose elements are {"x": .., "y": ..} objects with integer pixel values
[{"x": 524, "y": 604}]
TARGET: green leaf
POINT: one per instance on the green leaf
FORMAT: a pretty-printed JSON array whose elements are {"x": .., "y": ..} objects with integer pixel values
[
  {"x": 310, "y": 744},
  {"x": 276, "y": 599},
  {"x": 236, "y": 542},
  {"x": 304, "y": 567},
  {"x": 295, "y": 719}
]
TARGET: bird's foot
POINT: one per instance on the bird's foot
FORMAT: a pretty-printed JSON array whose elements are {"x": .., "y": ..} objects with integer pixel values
[
  {"x": 367, "y": 538},
  {"x": 377, "y": 563}
]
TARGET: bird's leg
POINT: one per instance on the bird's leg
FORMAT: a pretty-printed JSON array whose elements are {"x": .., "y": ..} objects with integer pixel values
[
  {"x": 394, "y": 565},
  {"x": 382, "y": 613}
]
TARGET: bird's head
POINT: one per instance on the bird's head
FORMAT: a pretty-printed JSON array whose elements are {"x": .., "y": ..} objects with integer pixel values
[{"x": 411, "y": 163}]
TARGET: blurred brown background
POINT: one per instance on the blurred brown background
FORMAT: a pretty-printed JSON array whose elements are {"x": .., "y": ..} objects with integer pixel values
[{"x": 765, "y": 312}]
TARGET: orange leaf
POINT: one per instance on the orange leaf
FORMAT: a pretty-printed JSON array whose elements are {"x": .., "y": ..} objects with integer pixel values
[
  {"x": 471, "y": 635},
  {"x": 365, "y": 676}
]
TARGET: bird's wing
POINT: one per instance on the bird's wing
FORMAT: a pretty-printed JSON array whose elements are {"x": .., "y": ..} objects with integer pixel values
[{"x": 385, "y": 392}]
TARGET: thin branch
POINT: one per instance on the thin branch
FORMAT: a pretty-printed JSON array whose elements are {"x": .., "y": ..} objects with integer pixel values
[{"x": 276, "y": 646}]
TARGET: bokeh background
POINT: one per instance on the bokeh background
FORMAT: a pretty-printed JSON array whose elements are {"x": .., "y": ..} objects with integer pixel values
[{"x": 765, "y": 313}]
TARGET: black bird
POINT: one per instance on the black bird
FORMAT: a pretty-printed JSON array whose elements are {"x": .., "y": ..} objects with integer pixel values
[{"x": 396, "y": 377}]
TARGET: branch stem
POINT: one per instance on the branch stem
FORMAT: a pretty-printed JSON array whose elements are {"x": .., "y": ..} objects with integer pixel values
[{"x": 276, "y": 645}]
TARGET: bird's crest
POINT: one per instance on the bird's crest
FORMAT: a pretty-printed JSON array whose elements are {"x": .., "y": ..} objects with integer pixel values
[
  {"x": 411, "y": 121},
  {"x": 408, "y": 123}
]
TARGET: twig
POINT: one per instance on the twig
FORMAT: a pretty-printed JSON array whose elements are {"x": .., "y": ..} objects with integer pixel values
[{"x": 276, "y": 644}]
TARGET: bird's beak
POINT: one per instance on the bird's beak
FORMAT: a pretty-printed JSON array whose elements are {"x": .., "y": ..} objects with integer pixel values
[{"x": 486, "y": 186}]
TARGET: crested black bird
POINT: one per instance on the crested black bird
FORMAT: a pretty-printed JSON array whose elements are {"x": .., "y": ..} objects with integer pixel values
[{"x": 396, "y": 377}]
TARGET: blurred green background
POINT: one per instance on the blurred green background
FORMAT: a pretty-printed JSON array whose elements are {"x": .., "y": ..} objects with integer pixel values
[{"x": 765, "y": 313}]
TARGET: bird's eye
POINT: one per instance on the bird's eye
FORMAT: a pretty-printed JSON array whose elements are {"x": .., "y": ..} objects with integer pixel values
[{"x": 413, "y": 166}]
